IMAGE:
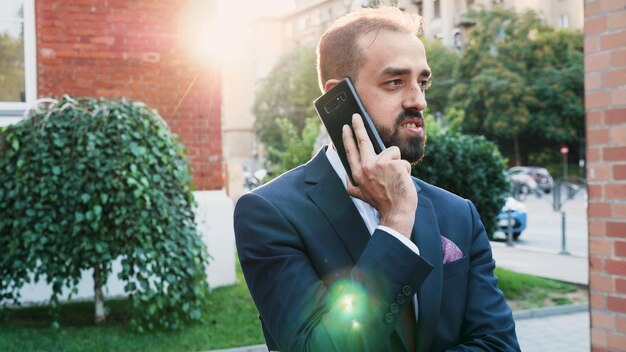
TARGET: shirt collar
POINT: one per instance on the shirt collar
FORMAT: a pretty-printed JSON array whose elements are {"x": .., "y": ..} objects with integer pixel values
[{"x": 335, "y": 162}]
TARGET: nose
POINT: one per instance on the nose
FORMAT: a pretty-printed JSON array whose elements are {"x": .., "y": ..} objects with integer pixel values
[{"x": 415, "y": 98}]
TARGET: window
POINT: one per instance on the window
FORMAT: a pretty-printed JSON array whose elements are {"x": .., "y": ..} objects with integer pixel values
[
  {"x": 419, "y": 7},
  {"x": 437, "y": 5},
  {"x": 564, "y": 21},
  {"x": 17, "y": 58}
]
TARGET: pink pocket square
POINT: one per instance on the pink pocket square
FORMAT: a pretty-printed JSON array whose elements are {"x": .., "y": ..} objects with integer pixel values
[{"x": 450, "y": 251}]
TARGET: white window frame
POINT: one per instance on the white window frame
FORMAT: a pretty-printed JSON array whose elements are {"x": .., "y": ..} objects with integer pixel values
[{"x": 11, "y": 112}]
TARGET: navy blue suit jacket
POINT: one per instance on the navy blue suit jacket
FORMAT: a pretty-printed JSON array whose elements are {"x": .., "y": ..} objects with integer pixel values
[{"x": 322, "y": 283}]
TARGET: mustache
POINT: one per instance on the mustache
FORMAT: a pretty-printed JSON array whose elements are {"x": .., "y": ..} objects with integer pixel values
[{"x": 409, "y": 114}]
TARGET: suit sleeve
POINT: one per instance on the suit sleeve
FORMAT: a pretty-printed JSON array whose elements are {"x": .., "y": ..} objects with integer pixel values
[
  {"x": 299, "y": 312},
  {"x": 488, "y": 323}
]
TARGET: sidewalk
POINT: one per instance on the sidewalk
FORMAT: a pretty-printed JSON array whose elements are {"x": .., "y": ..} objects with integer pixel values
[
  {"x": 564, "y": 328},
  {"x": 565, "y": 332},
  {"x": 534, "y": 261}
]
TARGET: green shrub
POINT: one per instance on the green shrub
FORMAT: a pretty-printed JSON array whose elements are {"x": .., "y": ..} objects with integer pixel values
[
  {"x": 469, "y": 166},
  {"x": 83, "y": 183},
  {"x": 298, "y": 147}
]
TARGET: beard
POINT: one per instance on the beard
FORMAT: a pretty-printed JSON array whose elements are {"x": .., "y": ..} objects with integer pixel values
[{"x": 412, "y": 148}]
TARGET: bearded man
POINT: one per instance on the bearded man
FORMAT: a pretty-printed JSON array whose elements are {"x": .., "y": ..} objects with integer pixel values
[{"x": 393, "y": 264}]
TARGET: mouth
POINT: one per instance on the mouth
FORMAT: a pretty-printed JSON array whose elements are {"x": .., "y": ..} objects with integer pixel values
[{"x": 413, "y": 126}]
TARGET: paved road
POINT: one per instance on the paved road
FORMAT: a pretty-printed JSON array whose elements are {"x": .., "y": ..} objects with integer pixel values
[{"x": 544, "y": 225}]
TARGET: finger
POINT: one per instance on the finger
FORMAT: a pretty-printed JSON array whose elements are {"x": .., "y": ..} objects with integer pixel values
[
  {"x": 352, "y": 152},
  {"x": 408, "y": 166},
  {"x": 366, "y": 149},
  {"x": 353, "y": 190},
  {"x": 391, "y": 153}
]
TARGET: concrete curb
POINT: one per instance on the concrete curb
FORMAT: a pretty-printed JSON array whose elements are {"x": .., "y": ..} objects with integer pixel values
[
  {"x": 548, "y": 311},
  {"x": 254, "y": 348},
  {"x": 517, "y": 315}
]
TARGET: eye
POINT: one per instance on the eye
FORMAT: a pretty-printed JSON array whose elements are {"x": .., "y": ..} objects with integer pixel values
[
  {"x": 424, "y": 85},
  {"x": 394, "y": 83}
]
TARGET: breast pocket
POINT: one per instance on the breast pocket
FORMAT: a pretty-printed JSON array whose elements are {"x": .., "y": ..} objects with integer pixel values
[{"x": 456, "y": 267}]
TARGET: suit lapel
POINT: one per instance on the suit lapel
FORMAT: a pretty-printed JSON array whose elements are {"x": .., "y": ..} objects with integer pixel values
[
  {"x": 427, "y": 237},
  {"x": 327, "y": 191}
]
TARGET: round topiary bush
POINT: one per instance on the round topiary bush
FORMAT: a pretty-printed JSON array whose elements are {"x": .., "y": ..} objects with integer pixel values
[
  {"x": 469, "y": 166},
  {"x": 85, "y": 182}
]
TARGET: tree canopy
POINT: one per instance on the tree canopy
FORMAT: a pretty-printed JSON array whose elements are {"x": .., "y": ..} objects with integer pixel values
[
  {"x": 287, "y": 93},
  {"x": 86, "y": 182},
  {"x": 442, "y": 61},
  {"x": 520, "y": 81}
]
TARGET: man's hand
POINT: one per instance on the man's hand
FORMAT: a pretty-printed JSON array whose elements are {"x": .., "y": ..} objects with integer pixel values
[{"x": 384, "y": 180}]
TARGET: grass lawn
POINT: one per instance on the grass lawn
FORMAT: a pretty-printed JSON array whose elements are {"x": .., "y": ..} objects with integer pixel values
[
  {"x": 233, "y": 321},
  {"x": 524, "y": 291}
]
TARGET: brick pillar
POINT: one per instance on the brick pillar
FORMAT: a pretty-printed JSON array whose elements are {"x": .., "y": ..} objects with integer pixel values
[{"x": 605, "y": 103}]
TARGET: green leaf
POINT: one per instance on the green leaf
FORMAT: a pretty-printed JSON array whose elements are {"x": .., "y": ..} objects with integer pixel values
[
  {"x": 85, "y": 197},
  {"x": 97, "y": 210},
  {"x": 56, "y": 170}
]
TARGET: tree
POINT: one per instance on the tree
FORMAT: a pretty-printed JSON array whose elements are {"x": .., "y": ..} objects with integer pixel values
[
  {"x": 442, "y": 61},
  {"x": 85, "y": 182},
  {"x": 520, "y": 80},
  {"x": 298, "y": 146},
  {"x": 287, "y": 93}
]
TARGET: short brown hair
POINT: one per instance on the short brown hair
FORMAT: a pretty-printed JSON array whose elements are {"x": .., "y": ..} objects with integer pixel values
[{"x": 338, "y": 52}]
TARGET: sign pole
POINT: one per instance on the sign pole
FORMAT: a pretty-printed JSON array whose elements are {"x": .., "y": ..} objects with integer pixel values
[{"x": 564, "y": 151}]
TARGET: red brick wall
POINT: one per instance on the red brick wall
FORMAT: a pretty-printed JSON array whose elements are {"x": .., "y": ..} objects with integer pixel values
[
  {"x": 605, "y": 101},
  {"x": 134, "y": 49}
]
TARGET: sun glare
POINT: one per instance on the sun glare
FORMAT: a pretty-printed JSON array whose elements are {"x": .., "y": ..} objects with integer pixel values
[{"x": 215, "y": 31}]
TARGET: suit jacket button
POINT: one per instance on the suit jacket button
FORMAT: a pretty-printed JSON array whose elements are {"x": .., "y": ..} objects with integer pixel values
[
  {"x": 407, "y": 290},
  {"x": 400, "y": 299},
  {"x": 393, "y": 308},
  {"x": 388, "y": 318}
]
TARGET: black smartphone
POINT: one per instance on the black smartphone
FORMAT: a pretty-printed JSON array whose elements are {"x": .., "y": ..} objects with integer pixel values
[{"x": 336, "y": 108}]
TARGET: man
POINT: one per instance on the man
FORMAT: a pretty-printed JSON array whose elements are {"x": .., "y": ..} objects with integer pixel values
[{"x": 393, "y": 264}]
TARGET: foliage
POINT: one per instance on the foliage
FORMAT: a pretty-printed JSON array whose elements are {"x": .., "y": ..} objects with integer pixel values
[
  {"x": 287, "y": 93},
  {"x": 469, "y": 166},
  {"x": 520, "y": 82},
  {"x": 85, "y": 182},
  {"x": 442, "y": 61},
  {"x": 298, "y": 145}
]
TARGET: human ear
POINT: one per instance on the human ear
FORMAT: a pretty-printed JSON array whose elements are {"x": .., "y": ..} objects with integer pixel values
[{"x": 330, "y": 84}]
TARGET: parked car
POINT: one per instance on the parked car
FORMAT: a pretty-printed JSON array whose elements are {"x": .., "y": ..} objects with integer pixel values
[
  {"x": 523, "y": 185},
  {"x": 513, "y": 212},
  {"x": 540, "y": 175}
]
